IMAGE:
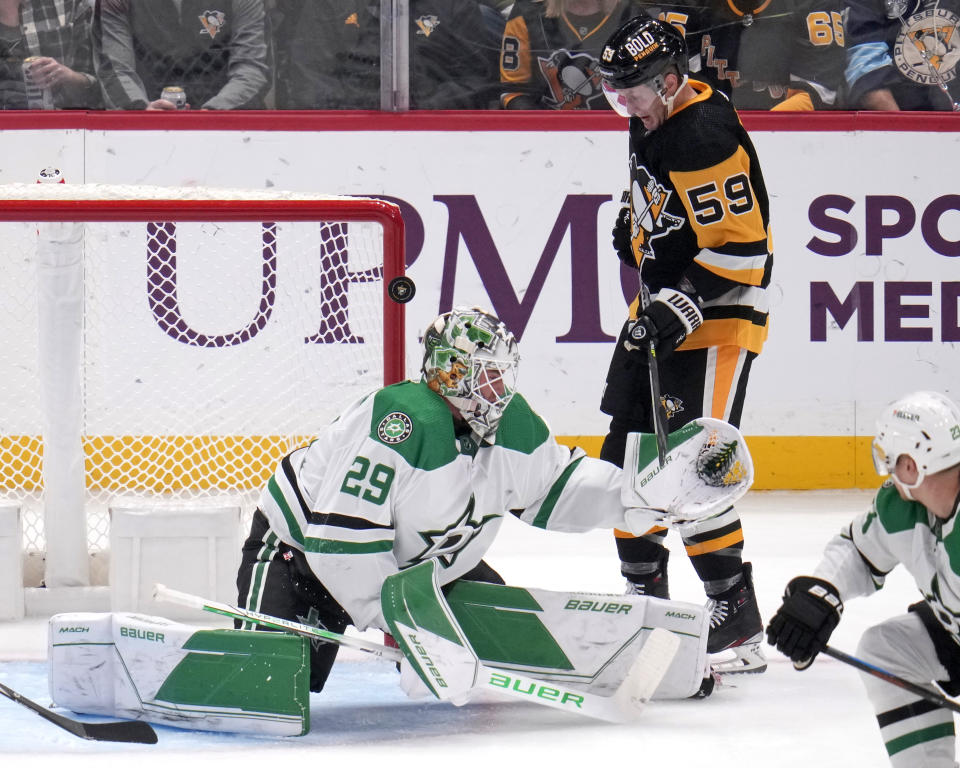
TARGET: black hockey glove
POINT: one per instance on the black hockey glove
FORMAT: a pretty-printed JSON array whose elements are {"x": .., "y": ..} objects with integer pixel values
[
  {"x": 803, "y": 624},
  {"x": 621, "y": 236},
  {"x": 666, "y": 321}
]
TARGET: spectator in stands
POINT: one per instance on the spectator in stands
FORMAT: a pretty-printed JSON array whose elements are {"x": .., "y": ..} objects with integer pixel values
[
  {"x": 333, "y": 57},
  {"x": 550, "y": 48},
  {"x": 903, "y": 54},
  {"x": 56, "y": 33},
  {"x": 766, "y": 54},
  {"x": 217, "y": 52}
]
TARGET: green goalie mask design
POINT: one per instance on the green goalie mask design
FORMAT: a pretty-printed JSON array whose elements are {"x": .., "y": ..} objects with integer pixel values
[
  {"x": 923, "y": 425},
  {"x": 471, "y": 359}
]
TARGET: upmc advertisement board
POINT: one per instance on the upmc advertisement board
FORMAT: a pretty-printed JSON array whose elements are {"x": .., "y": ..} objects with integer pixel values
[{"x": 514, "y": 213}]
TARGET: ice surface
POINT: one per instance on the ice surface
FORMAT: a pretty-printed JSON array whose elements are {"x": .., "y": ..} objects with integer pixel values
[{"x": 781, "y": 719}]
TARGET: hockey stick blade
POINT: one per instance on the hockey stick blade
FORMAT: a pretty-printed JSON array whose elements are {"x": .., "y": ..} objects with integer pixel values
[
  {"x": 648, "y": 669},
  {"x": 129, "y": 731},
  {"x": 870, "y": 669},
  {"x": 624, "y": 706}
]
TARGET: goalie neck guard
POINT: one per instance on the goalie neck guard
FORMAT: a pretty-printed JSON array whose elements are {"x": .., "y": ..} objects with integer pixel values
[
  {"x": 922, "y": 425},
  {"x": 471, "y": 359}
]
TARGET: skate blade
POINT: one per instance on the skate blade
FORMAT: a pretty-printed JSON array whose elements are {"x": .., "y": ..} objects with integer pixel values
[{"x": 745, "y": 659}]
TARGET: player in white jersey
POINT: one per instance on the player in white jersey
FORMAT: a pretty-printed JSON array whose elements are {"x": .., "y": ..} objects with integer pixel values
[
  {"x": 422, "y": 471},
  {"x": 913, "y": 522}
]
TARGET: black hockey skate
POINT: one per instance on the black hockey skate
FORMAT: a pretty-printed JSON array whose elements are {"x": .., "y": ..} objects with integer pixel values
[
  {"x": 649, "y": 585},
  {"x": 735, "y": 625}
]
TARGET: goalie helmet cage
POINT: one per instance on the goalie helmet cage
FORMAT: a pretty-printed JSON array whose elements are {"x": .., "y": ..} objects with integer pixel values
[{"x": 174, "y": 344}]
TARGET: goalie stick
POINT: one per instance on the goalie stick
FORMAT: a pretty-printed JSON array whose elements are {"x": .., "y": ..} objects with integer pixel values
[
  {"x": 624, "y": 705},
  {"x": 130, "y": 731}
]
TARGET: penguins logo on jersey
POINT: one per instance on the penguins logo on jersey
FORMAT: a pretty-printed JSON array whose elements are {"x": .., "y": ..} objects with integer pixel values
[
  {"x": 573, "y": 79},
  {"x": 927, "y": 48},
  {"x": 672, "y": 405},
  {"x": 648, "y": 199}
]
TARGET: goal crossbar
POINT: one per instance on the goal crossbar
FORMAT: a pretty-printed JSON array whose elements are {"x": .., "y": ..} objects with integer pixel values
[{"x": 116, "y": 437}]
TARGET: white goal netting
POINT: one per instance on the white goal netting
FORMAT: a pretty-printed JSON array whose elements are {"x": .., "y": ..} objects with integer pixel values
[{"x": 175, "y": 343}]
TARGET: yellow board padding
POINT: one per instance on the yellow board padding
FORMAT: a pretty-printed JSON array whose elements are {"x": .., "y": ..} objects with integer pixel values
[
  {"x": 163, "y": 464},
  {"x": 800, "y": 462}
]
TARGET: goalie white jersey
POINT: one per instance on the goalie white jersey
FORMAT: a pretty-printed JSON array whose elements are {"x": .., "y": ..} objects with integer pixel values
[{"x": 391, "y": 483}]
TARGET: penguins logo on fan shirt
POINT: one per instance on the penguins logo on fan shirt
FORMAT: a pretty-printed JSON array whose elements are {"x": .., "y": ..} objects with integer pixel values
[
  {"x": 927, "y": 48},
  {"x": 573, "y": 79},
  {"x": 648, "y": 199},
  {"x": 427, "y": 24},
  {"x": 212, "y": 22},
  {"x": 394, "y": 428}
]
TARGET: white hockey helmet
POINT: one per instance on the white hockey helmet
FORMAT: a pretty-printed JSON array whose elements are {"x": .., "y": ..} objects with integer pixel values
[
  {"x": 471, "y": 359},
  {"x": 923, "y": 425}
]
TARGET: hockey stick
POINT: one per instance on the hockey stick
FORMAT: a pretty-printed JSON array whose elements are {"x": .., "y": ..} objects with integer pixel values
[
  {"x": 131, "y": 731},
  {"x": 659, "y": 413},
  {"x": 625, "y": 705},
  {"x": 165, "y": 594},
  {"x": 870, "y": 669}
]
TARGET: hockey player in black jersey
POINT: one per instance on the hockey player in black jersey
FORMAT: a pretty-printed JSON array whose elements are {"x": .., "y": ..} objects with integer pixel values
[{"x": 696, "y": 225}]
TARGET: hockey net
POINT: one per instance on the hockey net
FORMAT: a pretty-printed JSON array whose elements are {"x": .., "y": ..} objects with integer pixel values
[{"x": 175, "y": 343}]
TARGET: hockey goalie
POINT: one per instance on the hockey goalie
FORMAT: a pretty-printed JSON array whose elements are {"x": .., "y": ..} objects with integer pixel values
[{"x": 383, "y": 521}]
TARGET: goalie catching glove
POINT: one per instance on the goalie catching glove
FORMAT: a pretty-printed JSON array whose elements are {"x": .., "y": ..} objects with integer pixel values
[
  {"x": 804, "y": 622},
  {"x": 706, "y": 469},
  {"x": 665, "y": 322}
]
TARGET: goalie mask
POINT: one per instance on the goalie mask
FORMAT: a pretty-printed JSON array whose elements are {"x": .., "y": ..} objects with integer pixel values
[
  {"x": 470, "y": 358},
  {"x": 923, "y": 425},
  {"x": 642, "y": 53}
]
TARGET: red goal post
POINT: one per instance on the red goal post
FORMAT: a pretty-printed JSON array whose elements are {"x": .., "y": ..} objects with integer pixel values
[{"x": 175, "y": 343}]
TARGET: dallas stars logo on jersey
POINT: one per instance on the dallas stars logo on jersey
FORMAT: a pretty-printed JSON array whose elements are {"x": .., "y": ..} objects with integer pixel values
[
  {"x": 395, "y": 428},
  {"x": 446, "y": 544},
  {"x": 648, "y": 201}
]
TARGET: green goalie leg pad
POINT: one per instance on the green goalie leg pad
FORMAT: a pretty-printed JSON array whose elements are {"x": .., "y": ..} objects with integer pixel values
[
  {"x": 428, "y": 633},
  {"x": 262, "y": 673},
  {"x": 149, "y": 668},
  {"x": 579, "y": 638}
]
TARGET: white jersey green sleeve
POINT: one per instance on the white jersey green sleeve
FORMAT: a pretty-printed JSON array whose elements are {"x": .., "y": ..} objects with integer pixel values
[
  {"x": 390, "y": 484},
  {"x": 894, "y": 531}
]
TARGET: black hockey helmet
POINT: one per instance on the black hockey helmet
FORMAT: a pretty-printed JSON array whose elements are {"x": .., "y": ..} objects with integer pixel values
[{"x": 640, "y": 50}]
